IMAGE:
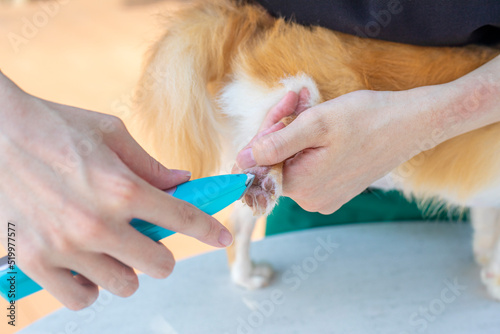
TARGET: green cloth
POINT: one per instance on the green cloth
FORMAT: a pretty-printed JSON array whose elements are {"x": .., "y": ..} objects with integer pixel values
[{"x": 370, "y": 206}]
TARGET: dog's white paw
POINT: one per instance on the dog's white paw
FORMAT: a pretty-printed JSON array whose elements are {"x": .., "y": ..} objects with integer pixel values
[
  {"x": 491, "y": 278},
  {"x": 252, "y": 277}
]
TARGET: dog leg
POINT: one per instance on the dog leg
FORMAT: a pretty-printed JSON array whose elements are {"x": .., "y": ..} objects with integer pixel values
[
  {"x": 490, "y": 274},
  {"x": 244, "y": 272},
  {"x": 486, "y": 242},
  {"x": 247, "y": 102},
  {"x": 486, "y": 223}
]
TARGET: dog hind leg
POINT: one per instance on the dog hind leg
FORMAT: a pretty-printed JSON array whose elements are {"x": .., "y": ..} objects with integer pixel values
[
  {"x": 244, "y": 272},
  {"x": 486, "y": 223},
  {"x": 486, "y": 244},
  {"x": 247, "y": 103}
]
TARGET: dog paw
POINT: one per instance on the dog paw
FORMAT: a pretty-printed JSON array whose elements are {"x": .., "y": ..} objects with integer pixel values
[
  {"x": 491, "y": 279},
  {"x": 255, "y": 277},
  {"x": 265, "y": 190}
]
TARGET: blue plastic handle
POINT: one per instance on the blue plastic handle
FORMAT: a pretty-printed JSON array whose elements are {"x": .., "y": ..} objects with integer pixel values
[{"x": 210, "y": 195}]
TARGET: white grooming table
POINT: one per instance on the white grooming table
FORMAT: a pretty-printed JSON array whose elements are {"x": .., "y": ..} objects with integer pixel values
[{"x": 387, "y": 278}]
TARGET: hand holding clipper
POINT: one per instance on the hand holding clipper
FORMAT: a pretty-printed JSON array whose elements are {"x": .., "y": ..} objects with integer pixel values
[{"x": 209, "y": 195}]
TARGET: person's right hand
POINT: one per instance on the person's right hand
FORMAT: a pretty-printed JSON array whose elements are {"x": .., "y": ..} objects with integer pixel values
[{"x": 71, "y": 181}]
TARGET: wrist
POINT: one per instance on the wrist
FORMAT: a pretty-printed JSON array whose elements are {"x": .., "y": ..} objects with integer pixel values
[
  {"x": 441, "y": 112},
  {"x": 437, "y": 114},
  {"x": 473, "y": 100},
  {"x": 420, "y": 123}
]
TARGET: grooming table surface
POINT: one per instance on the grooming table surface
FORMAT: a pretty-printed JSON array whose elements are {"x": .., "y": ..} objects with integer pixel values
[{"x": 385, "y": 278}]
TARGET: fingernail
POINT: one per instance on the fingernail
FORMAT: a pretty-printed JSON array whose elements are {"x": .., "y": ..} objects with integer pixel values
[
  {"x": 181, "y": 173},
  {"x": 225, "y": 238},
  {"x": 246, "y": 159}
]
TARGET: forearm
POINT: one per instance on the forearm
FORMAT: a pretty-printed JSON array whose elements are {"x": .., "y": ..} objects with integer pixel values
[{"x": 471, "y": 102}]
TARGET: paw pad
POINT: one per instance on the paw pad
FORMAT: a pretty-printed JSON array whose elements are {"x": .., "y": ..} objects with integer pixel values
[{"x": 265, "y": 190}]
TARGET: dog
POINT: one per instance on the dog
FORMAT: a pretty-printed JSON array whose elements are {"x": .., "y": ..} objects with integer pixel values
[{"x": 210, "y": 80}]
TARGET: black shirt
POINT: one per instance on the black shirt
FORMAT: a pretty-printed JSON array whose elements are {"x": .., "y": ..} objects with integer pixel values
[{"x": 420, "y": 22}]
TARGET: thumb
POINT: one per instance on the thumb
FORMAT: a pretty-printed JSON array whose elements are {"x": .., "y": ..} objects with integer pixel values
[
  {"x": 144, "y": 165},
  {"x": 278, "y": 146}
]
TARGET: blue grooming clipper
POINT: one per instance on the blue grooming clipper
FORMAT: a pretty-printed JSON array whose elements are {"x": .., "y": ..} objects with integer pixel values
[{"x": 210, "y": 195}]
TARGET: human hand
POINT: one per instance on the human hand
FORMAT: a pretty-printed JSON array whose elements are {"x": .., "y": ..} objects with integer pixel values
[
  {"x": 335, "y": 150},
  {"x": 71, "y": 182}
]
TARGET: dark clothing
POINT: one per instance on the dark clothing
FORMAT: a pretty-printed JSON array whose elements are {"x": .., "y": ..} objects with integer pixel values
[{"x": 419, "y": 22}]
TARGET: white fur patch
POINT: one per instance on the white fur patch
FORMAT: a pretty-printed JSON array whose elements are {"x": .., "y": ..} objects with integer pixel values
[
  {"x": 489, "y": 197},
  {"x": 246, "y": 102},
  {"x": 386, "y": 183},
  {"x": 244, "y": 272}
]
